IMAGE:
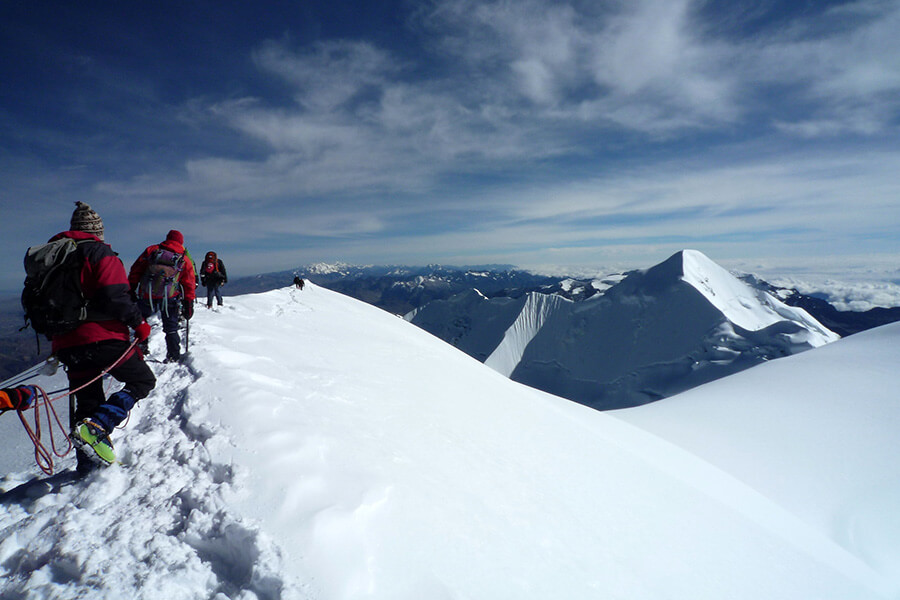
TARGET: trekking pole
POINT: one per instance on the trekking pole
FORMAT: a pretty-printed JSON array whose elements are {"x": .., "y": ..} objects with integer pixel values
[
  {"x": 187, "y": 325},
  {"x": 24, "y": 376}
]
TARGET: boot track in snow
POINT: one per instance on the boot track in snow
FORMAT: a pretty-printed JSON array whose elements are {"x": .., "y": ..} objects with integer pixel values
[{"x": 154, "y": 526}]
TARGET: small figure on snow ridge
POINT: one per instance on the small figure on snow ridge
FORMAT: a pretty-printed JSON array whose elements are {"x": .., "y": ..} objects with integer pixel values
[{"x": 213, "y": 276}]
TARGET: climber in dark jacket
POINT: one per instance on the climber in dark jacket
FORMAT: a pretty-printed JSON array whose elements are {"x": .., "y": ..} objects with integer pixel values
[{"x": 213, "y": 276}]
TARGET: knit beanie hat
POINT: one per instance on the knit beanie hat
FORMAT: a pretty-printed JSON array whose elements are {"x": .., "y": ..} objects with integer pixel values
[
  {"x": 86, "y": 219},
  {"x": 175, "y": 236}
]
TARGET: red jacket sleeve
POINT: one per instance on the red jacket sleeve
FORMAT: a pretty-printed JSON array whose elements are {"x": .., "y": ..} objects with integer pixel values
[{"x": 105, "y": 283}]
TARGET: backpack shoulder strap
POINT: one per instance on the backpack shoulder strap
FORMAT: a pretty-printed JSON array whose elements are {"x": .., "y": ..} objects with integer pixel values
[{"x": 40, "y": 259}]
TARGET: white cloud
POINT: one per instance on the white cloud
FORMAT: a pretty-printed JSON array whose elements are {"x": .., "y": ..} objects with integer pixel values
[
  {"x": 526, "y": 81},
  {"x": 329, "y": 74},
  {"x": 844, "y": 67},
  {"x": 654, "y": 66},
  {"x": 654, "y": 48},
  {"x": 578, "y": 62}
]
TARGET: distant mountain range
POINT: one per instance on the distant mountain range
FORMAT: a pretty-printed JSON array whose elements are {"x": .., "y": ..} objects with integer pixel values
[
  {"x": 620, "y": 340},
  {"x": 401, "y": 289},
  {"x": 842, "y": 322},
  {"x": 18, "y": 349}
]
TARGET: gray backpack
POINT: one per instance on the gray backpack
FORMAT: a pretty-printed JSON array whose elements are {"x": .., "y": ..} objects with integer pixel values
[{"x": 53, "y": 300}]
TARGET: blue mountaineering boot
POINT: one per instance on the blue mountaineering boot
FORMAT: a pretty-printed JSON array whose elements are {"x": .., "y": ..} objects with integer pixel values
[{"x": 94, "y": 441}]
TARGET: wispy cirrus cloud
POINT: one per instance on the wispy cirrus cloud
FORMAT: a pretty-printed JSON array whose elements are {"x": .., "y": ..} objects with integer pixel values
[
  {"x": 658, "y": 66},
  {"x": 506, "y": 128},
  {"x": 514, "y": 83},
  {"x": 639, "y": 65},
  {"x": 842, "y": 71}
]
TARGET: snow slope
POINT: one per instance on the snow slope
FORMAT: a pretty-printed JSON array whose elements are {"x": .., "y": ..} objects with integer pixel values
[
  {"x": 822, "y": 440},
  {"x": 317, "y": 447},
  {"x": 531, "y": 318},
  {"x": 742, "y": 305}
]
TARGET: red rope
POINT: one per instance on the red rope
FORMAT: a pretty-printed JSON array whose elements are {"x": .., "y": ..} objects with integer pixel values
[{"x": 42, "y": 456}]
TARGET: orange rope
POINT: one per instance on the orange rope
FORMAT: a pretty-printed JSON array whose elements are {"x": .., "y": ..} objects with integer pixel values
[
  {"x": 102, "y": 373},
  {"x": 42, "y": 456}
]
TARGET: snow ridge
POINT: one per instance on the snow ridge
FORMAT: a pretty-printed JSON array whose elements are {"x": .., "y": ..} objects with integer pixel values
[
  {"x": 537, "y": 308},
  {"x": 748, "y": 308}
]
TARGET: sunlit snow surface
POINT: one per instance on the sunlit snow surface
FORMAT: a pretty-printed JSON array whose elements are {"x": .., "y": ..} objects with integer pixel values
[
  {"x": 744, "y": 306},
  {"x": 317, "y": 447}
]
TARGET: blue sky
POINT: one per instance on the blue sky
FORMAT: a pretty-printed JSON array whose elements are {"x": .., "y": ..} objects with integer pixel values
[{"x": 527, "y": 132}]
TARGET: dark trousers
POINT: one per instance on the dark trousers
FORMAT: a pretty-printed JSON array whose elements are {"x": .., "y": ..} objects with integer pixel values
[
  {"x": 83, "y": 363},
  {"x": 169, "y": 311},
  {"x": 212, "y": 289}
]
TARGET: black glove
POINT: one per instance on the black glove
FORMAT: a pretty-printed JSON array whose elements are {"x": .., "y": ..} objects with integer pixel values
[{"x": 187, "y": 309}]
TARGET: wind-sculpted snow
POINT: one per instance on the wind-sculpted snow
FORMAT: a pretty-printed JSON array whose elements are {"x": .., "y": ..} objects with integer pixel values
[
  {"x": 317, "y": 447},
  {"x": 530, "y": 321}
]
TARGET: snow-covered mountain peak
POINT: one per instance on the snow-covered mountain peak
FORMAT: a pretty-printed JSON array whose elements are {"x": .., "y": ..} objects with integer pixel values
[
  {"x": 656, "y": 332},
  {"x": 327, "y": 268},
  {"x": 688, "y": 266},
  {"x": 740, "y": 304}
]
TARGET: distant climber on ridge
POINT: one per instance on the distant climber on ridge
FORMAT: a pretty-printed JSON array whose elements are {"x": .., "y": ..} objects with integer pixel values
[{"x": 213, "y": 276}]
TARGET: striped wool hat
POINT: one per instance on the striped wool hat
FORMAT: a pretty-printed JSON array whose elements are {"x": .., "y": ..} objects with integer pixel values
[{"x": 86, "y": 219}]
